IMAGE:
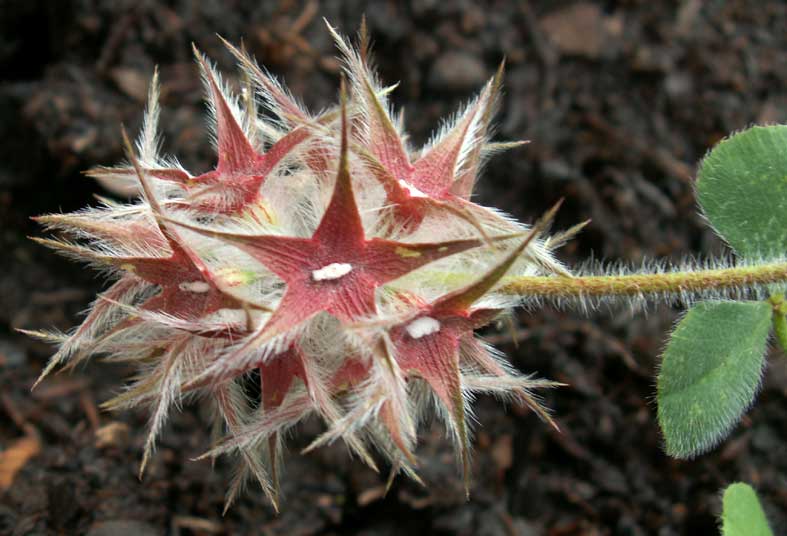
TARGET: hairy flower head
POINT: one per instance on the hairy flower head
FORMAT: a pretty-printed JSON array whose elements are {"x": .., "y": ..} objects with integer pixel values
[{"x": 319, "y": 258}]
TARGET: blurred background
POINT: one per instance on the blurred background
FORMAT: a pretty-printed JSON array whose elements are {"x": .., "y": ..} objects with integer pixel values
[{"x": 620, "y": 100}]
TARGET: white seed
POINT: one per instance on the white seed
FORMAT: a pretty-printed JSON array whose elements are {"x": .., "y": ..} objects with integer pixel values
[
  {"x": 194, "y": 286},
  {"x": 414, "y": 192},
  {"x": 423, "y": 326},
  {"x": 335, "y": 270}
]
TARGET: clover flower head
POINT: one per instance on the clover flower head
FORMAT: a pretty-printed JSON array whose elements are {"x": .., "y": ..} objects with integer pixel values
[{"x": 322, "y": 257}]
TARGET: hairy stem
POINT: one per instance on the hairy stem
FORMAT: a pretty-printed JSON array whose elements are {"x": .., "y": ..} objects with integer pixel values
[{"x": 696, "y": 282}]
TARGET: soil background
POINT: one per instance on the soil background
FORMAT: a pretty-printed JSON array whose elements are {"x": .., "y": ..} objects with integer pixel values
[{"x": 620, "y": 100}]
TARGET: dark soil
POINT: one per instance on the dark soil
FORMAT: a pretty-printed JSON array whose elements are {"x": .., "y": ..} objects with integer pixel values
[{"x": 620, "y": 100}]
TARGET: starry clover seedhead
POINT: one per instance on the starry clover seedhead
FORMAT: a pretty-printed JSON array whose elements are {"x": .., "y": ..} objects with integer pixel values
[{"x": 320, "y": 258}]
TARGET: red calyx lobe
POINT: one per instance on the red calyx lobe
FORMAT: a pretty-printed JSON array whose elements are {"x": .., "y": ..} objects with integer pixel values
[
  {"x": 240, "y": 171},
  {"x": 427, "y": 344},
  {"x": 430, "y": 182},
  {"x": 187, "y": 291},
  {"x": 277, "y": 375},
  {"x": 188, "y": 288}
]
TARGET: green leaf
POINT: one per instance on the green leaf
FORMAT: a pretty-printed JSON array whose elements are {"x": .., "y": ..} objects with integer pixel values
[
  {"x": 710, "y": 373},
  {"x": 742, "y": 514},
  {"x": 742, "y": 189}
]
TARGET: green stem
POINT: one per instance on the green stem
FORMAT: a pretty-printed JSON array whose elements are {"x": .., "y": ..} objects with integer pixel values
[
  {"x": 639, "y": 285},
  {"x": 779, "y": 319}
]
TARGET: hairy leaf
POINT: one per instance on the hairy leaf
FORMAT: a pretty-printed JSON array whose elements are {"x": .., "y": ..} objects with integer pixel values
[
  {"x": 710, "y": 373},
  {"x": 742, "y": 188},
  {"x": 742, "y": 513}
]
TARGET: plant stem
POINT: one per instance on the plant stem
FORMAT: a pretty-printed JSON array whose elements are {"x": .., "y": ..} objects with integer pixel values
[{"x": 698, "y": 281}]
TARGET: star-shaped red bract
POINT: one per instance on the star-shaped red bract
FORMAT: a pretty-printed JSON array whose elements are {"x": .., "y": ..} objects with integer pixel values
[
  {"x": 433, "y": 180},
  {"x": 240, "y": 171},
  {"x": 427, "y": 344},
  {"x": 188, "y": 289},
  {"x": 316, "y": 158},
  {"x": 432, "y": 175},
  {"x": 338, "y": 269}
]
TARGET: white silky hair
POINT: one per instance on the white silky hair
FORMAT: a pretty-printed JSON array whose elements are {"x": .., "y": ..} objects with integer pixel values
[
  {"x": 358, "y": 75},
  {"x": 640, "y": 301}
]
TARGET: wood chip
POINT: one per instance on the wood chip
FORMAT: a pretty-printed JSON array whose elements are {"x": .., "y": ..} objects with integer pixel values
[
  {"x": 502, "y": 452},
  {"x": 131, "y": 81},
  {"x": 371, "y": 495},
  {"x": 113, "y": 434},
  {"x": 15, "y": 457},
  {"x": 197, "y": 524}
]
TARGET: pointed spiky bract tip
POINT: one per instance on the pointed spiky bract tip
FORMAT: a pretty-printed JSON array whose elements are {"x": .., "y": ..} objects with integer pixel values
[{"x": 339, "y": 268}]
